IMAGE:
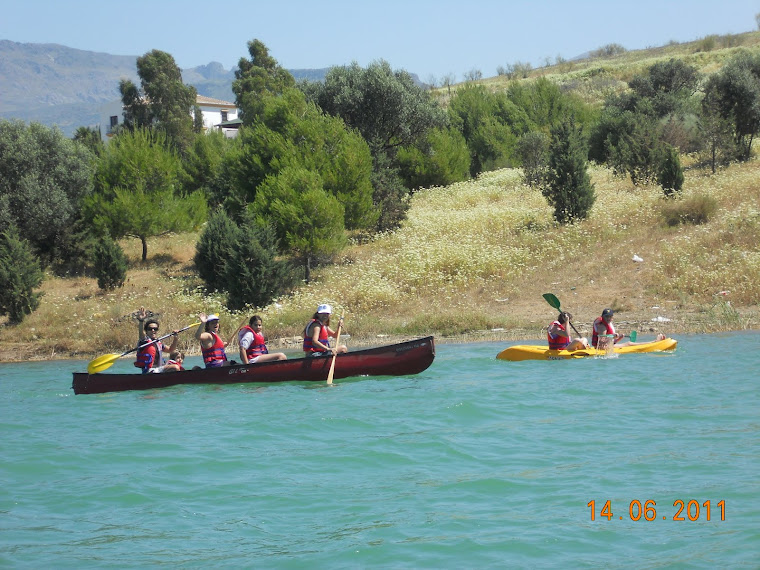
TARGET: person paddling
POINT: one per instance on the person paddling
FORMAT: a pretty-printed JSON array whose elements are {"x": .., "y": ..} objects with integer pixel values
[
  {"x": 559, "y": 338},
  {"x": 317, "y": 333},
  {"x": 149, "y": 350}
]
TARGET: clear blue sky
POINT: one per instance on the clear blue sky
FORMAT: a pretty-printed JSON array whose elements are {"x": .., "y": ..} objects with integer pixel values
[{"x": 431, "y": 38}]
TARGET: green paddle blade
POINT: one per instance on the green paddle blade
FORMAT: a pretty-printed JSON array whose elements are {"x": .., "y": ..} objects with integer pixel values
[
  {"x": 634, "y": 336},
  {"x": 102, "y": 363},
  {"x": 552, "y": 300}
]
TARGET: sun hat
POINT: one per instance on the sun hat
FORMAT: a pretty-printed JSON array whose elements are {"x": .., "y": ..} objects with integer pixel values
[
  {"x": 212, "y": 318},
  {"x": 608, "y": 312},
  {"x": 325, "y": 309}
]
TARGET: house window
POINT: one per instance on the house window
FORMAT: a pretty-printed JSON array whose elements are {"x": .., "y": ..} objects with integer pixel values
[
  {"x": 224, "y": 116},
  {"x": 114, "y": 122}
]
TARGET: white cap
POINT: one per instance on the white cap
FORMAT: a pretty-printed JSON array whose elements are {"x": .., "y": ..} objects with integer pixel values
[
  {"x": 325, "y": 309},
  {"x": 212, "y": 318}
]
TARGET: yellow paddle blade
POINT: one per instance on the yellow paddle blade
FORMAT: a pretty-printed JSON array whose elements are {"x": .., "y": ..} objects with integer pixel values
[{"x": 102, "y": 363}]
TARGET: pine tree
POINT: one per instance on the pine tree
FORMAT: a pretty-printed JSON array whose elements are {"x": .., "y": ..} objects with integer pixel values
[
  {"x": 253, "y": 274},
  {"x": 568, "y": 187},
  {"x": 20, "y": 274},
  {"x": 110, "y": 264},
  {"x": 670, "y": 174},
  {"x": 214, "y": 248}
]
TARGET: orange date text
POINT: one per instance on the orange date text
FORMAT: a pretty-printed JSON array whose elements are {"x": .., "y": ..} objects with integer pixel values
[{"x": 683, "y": 510}]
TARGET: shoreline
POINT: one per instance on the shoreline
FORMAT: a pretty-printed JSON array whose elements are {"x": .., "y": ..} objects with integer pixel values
[{"x": 32, "y": 352}]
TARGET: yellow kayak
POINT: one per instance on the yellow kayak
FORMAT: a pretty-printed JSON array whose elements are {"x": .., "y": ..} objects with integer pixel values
[{"x": 535, "y": 352}]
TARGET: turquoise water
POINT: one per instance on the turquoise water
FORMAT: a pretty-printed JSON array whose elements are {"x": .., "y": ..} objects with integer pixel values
[{"x": 475, "y": 463}]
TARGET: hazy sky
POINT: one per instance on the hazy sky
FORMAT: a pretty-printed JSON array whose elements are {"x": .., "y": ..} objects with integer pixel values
[{"x": 432, "y": 38}]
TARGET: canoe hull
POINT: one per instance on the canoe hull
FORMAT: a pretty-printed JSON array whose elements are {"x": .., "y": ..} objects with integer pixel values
[
  {"x": 411, "y": 357},
  {"x": 535, "y": 352}
]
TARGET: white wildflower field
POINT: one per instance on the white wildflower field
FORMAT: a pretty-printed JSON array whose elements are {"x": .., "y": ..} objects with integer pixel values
[{"x": 473, "y": 256}]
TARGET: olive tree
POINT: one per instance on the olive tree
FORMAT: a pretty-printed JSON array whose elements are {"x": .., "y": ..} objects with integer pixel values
[
  {"x": 44, "y": 177},
  {"x": 735, "y": 92}
]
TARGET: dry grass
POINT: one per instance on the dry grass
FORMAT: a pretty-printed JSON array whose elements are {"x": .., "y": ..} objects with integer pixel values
[
  {"x": 473, "y": 259},
  {"x": 470, "y": 263}
]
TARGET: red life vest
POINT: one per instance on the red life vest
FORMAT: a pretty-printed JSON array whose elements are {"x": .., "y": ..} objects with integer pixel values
[
  {"x": 257, "y": 346},
  {"x": 308, "y": 345},
  {"x": 214, "y": 356},
  {"x": 557, "y": 342},
  {"x": 149, "y": 356},
  {"x": 595, "y": 336},
  {"x": 175, "y": 362}
]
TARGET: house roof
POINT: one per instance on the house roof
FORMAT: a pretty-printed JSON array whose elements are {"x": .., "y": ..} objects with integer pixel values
[
  {"x": 211, "y": 102},
  {"x": 234, "y": 123}
]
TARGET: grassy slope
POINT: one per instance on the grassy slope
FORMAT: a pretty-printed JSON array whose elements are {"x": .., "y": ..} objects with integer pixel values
[{"x": 472, "y": 257}]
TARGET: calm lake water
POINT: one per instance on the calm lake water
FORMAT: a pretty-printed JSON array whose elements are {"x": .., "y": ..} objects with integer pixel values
[{"x": 475, "y": 463}]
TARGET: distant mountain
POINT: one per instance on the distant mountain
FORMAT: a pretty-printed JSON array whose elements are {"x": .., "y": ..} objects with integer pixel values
[{"x": 57, "y": 85}]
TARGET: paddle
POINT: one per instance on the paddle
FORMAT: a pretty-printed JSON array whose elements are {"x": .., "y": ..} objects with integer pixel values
[
  {"x": 554, "y": 302},
  {"x": 332, "y": 364},
  {"x": 106, "y": 361},
  {"x": 633, "y": 336}
]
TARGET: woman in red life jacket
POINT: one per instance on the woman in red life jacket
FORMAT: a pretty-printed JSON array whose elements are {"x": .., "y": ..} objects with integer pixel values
[
  {"x": 149, "y": 358},
  {"x": 212, "y": 345},
  {"x": 559, "y": 338},
  {"x": 252, "y": 343},
  {"x": 317, "y": 333}
]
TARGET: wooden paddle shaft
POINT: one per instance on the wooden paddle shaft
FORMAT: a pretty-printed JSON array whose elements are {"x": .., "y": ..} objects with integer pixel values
[{"x": 332, "y": 364}]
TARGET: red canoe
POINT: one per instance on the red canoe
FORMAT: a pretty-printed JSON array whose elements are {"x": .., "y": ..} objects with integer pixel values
[{"x": 411, "y": 357}]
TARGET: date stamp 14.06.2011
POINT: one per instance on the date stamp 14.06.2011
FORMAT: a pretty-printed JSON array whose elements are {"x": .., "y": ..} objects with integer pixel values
[{"x": 683, "y": 510}]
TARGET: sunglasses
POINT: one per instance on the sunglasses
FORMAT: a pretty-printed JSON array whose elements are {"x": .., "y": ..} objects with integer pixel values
[{"x": 152, "y": 329}]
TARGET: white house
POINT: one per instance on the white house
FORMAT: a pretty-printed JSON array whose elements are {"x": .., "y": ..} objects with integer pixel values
[{"x": 217, "y": 114}]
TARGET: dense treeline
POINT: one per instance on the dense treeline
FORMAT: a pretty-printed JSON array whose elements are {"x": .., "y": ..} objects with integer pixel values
[{"x": 318, "y": 163}]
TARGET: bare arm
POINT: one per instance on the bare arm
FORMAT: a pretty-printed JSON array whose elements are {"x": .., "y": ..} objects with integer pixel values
[
  {"x": 244, "y": 344},
  {"x": 175, "y": 338},
  {"x": 205, "y": 338},
  {"x": 140, "y": 318}
]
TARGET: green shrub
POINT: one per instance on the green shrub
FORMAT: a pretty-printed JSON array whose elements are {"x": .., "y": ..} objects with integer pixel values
[
  {"x": 568, "y": 187},
  {"x": 110, "y": 264},
  {"x": 20, "y": 274},
  {"x": 695, "y": 210},
  {"x": 253, "y": 274},
  {"x": 670, "y": 172},
  {"x": 533, "y": 150},
  {"x": 708, "y": 43},
  {"x": 441, "y": 159},
  {"x": 214, "y": 249}
]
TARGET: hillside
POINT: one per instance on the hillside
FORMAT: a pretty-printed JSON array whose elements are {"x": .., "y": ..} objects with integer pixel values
[
  {"x": 471, "y": 261},
  {"x": 595, "y": 77}
]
